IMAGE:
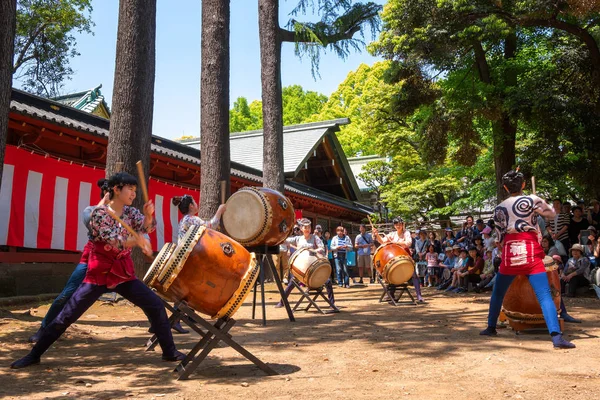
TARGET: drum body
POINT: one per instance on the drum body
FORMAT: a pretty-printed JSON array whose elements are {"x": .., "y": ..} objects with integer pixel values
[
  {"x": 520, "y": 303},
  {"x": 309, "y": 268},
  {"x": 393, "y": 263},
  {"x": 208, "y": 270},
  {"x": 258, "y": 216}
]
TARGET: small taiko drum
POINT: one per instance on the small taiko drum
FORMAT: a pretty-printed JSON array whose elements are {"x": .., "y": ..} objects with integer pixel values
[
  {"x": 310, "y": 268},
  {"x": 208, "y": 270},
  {"x": 393, "y": 263},
  {"x": 258, "y": 216},
  {"x": 520, "y": 303}
]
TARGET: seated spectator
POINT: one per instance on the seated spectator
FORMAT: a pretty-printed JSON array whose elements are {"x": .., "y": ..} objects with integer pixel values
[
  {"x": 433, "y": 270},
  {"x": 478, "y": 244},
  {"x": 488, "y": 240},
  {"x": 480, "y": 226},
  {"x": 488, "y": 272},
  {"x": 463, "y": 264},
  {"x": 549, "y": 246},
  {"x": 451, "y": 261},
  {"x": 576, "y": 273},
  {"x": 591, "y": 244},
  {"x": 449, "y": 240},
  {"x": 473, "y": 272}
]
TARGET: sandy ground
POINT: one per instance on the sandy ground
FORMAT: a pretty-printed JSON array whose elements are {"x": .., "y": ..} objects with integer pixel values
[{"x": 369, "y": 350}]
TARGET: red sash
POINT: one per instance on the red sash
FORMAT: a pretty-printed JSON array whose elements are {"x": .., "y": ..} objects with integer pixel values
[
  {"x": 522, "y": 254},
  {"x": 109, "y": 266}
]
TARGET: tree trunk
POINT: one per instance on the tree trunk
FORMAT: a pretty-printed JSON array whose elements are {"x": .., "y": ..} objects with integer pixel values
[
  {"x": 505, "y": 130},
  {"x": 270, "y": 59},
  {"x": 133, "y": 97},
  {"x": 214, "y": 107},
  {"x": 8, "y": 12}
]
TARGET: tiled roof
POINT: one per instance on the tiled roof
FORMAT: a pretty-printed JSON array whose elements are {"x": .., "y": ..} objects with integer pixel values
[
  {"x": 60, "y": 114},
  {"x": 86, "y": 101},
  {"x": 298, "y": 143}
]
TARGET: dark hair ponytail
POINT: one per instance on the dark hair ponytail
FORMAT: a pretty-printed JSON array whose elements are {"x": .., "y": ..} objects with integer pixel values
[
  {"x": 513, "y": 180},
  {"x": 183, "y": 203},
  {"x": 119, "y": 180},
  {"x": 103, "y": 185}
]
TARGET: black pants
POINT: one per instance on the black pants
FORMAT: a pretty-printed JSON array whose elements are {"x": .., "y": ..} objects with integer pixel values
[
  {"x": 570, "y": 288},
  {"x": 85, "y": 296}
]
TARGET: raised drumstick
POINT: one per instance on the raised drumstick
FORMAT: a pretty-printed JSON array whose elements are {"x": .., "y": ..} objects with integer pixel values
[
  {"x": 223, "y": 191},
  {"x": 142, "y": 178},
  {"x": 119, "y": 220},
  {"x": 370, "y": 222},
  {"x": 533, "y": 184}
]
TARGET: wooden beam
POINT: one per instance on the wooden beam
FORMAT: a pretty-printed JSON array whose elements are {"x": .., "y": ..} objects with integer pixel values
[
  {"x": 39, "y": 257},
  {"x": 94, "y": 155},
  {"x": 319, "y": 164}
]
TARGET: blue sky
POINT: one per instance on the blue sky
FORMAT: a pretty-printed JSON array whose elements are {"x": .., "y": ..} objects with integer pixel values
[{"x": 177, "y": 87}]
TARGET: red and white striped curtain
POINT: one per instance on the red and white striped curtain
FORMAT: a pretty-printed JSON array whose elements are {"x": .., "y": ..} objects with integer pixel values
[{"x": 42, "y": 200}]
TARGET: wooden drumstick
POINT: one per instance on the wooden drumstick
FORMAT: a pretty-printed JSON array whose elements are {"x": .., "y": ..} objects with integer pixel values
[
  {"x": 370, "y": 222},
  {"x": 533, "y": 184},
  {"x": 120, "y": 221},
  {"x": 223, "y": 191},
  {"x": 142, "y": 178}
]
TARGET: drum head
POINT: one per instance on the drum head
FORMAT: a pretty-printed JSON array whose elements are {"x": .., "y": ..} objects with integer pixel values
[
  {"x": 158, "y": 264},
  {"x": 246, "y": 215},
  {"x": 400, "y": 272},
  {"x": 320, "y": 274}
]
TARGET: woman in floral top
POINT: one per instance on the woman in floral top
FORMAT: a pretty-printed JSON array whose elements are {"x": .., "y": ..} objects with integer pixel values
[
  {"x": 188, "y": 207},
  {"x": 110, "y": 268}
]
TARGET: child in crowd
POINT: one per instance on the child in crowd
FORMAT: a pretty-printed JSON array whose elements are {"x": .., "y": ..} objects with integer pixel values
[
  {"x": 463, "y": 265},
  {"x": 488, "y": 272},
  {"x": 432, "y": 265}
]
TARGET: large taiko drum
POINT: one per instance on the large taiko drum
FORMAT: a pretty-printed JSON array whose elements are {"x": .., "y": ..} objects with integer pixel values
[
  {"x": 393, "y": 263},
  {"x": 258, "y": 216},
  {"x": 158, "y": 264},
  {"x": 520, "y": 303},
  {"x": 310, "y": 268},
  {"x": 208, "y": 270}
]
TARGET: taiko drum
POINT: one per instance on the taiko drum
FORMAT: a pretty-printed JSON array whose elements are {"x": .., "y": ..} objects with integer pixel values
[
  {"x": 310, "y": 268},
  {"x": 521, "y": 304},
  {"x": 258, "y": 216},
  {"x": 208, "y": 270},
  {"x": 393, "y": 263}
]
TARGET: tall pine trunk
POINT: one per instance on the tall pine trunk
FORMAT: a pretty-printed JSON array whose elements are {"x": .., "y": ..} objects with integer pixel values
[
  {"x": 505, "y": 129},
  {"x": 8, "y": 12},
  {"x": 133, "y": 96},
  {"x": 270, "y": 57},
  {"x": 214, "y": 107}
]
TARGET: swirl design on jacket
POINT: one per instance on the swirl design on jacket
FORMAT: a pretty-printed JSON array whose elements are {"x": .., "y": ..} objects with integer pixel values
[{"x": 523, "y": 207}]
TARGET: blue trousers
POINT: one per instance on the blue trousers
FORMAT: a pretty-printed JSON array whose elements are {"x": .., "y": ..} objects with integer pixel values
[
  {"x": 539, "y": 283},
  {"x": 341, "y": 269},
  {"x": 58, "y": 304},
  {"x": 85, "y": 296}
]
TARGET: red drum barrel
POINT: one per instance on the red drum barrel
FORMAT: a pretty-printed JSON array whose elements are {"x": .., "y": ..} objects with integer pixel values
[
  {"x": 310, "y": 268},
  {"x": 393, "y": 263},
  {"x": 208, "y": 270},
  {"x": 520, "y": 303},
  {"x": 258, "y": 216}
]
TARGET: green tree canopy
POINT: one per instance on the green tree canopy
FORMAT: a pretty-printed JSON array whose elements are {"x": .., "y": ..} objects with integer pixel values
[
  {"x": 44, "y": 42},
  {"x": 299, "y": 106}
]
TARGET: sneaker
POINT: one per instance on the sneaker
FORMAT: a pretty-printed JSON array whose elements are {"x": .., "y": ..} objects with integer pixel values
[
  {"x": 561, "y": 343},
  {"x": 279, "y": 305},
  {"x": 285, "y": 281},
  {"x": 25, "y": 362},
  {"x": 489, "y": 331},
  {"x": 347, "y": 286},
  {"x": 178, "y": 356},
  {"x": 430, "y": 285},
  {"x": 179, "y": 329},
  {"x": 450, "y": 289}
]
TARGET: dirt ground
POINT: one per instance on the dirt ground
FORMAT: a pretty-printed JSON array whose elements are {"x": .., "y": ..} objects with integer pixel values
[{"x": 368, "y": 350}]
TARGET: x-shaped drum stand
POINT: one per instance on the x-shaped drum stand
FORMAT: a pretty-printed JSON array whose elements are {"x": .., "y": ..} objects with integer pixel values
[
  {"x": 311, "y": 296},
  {"x": 265, "y": 252},
  {"x": 215, "y": 333},
  {"x": 388, "y": 290}
]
